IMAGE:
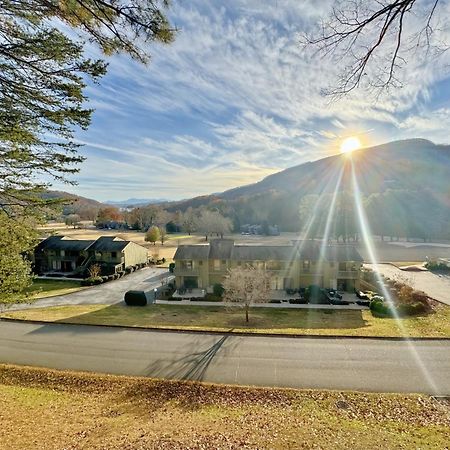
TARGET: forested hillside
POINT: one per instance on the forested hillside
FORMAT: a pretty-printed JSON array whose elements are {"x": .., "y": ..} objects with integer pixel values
[{"x": 404, "y": 185}]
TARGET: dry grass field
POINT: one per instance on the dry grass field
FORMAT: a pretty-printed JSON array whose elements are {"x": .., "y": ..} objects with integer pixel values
[{"x": 47, "y": 409}]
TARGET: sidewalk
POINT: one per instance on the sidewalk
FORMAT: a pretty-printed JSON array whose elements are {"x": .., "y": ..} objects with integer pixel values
[{"x": 261, "y": 305}]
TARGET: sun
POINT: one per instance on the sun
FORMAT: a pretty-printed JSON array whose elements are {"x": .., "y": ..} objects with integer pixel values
[{"x": 350, "y": 144}]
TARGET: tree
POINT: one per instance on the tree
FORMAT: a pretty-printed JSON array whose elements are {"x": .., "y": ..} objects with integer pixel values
[
  {"x": 210, "y": 222},
  {"x": 109, "y": 214},
  {"x": 162, "y": 234},
  {"x": 377, "y": 37},
  {"x": 43, "y": 73},
  {"x": 17, "y": 238},
  {"x": 246, "y": 287},
  {"x": 72, "y": 219},
  {"x": 189, "y": 221},
  {"x": 152, "y": 234}
]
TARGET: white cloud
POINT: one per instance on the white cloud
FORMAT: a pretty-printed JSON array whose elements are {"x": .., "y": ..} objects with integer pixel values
[{"x": 235, "y": 98}]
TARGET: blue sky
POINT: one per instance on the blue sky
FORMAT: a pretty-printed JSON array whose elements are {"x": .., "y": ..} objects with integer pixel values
[{"x": 235, "y": 98}]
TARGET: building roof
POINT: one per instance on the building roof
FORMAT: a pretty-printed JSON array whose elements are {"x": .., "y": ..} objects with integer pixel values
[
  {"x": 108, "y": 244},
  {"x": 263, "y": 253},
  {"x": 200, "y": 251},
  {"x": 221, "y": 248},
  {"x": 102, "y": 244},
  {"x": 342, "y": 253},
  {"x": 62, "y": 243},
  {"x": 300, "y": 250}
]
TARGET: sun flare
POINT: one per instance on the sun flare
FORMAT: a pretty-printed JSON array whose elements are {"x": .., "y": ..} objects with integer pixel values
[{"x": 350, "y": 144}]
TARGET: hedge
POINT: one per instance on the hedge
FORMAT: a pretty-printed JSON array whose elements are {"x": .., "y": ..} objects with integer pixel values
[{"x": 135, "y": 298}]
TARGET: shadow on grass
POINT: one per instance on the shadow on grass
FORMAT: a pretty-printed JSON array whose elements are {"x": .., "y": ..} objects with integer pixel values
[{"x": 221, "y": 318}]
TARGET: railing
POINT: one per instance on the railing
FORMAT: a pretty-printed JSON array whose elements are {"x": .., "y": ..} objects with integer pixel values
[
  {"x": 348, "y": 274},
  {"x": 184, "y": 271}
]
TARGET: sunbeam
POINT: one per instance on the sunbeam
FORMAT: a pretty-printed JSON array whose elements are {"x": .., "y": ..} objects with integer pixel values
[{"x": 366, "y": 236}]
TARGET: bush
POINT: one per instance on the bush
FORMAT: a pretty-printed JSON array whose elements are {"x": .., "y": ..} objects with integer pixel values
[
  {"x": 438, "y": 267},
  {"x": 105, "y": 279},
  {"x": 382, "y": 309},
  {"x": 135, "y": 298},
  {"x": 378, "y": 307},
  {"x": 298, "y": 301},
  {"x": 110, "y": 277},
  {"x": 171, "y": 267},
  {"x": 218, "y": 290},
  {"x": 209, "y": 298},
  {"x": 92, "y": 281}
]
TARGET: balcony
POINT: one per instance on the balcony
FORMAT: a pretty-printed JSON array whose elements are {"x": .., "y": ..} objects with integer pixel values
[
  {"x": 185, "y": 272},
  {"x": 349, "y": 274}
]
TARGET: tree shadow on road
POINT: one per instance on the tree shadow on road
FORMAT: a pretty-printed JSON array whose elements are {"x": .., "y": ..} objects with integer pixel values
[{"x": 191, "y": 367}]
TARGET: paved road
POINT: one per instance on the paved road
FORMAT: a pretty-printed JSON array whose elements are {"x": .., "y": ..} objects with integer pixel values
[
  {"x": 436, "y": 286},
  {"x": 360, "y": 364},
  {"x": 105, "y": 294}
]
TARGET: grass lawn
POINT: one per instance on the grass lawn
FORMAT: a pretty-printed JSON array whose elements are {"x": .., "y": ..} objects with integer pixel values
[
  {"x": 53, "y": 410},
  {"x": 273, "y": 320},
  {"x": 49, "y": 288}
]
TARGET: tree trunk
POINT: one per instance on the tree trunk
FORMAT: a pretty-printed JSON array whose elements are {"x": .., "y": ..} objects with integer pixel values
[{"x": 246, "y": 313}]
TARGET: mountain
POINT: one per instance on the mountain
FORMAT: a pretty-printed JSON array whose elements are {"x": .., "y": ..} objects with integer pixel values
[
  {"x": 86, "y": 208},
  {"x": 414, "y": 169},
  {"x": 135, "y": 201}
]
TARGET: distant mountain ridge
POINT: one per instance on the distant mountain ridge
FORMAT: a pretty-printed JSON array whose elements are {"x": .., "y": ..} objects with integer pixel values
[{"x": 135, "y": 201}]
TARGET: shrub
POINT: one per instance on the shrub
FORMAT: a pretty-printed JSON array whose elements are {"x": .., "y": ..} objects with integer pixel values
[
  {"x": 378, "y": 307},
  {"x": 105, "y": 279},
  {"x": 135, "y": 298},
  {"x": 110, "y": 277},
  {"x": 171, "y": 267},
  {"x": 298, "y": 301},
  {"x": 218, "y": 290},
  {"x": 209, "y": 298},
  {"x": 382, "y": 309},
  {"x": 91, "y": 281},
  {"x": 411, "y": 309},
  {"x": 127, "y": 270},
  {"x": 438, "y": 267},
  {"x": 94, "y": 271}
]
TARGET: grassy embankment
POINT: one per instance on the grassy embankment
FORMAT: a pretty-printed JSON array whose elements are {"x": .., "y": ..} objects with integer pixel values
[
  {"x": 53, "y": 410},
  {"x": 50, "y": 288},
  {"x": 262, "y": 320}
]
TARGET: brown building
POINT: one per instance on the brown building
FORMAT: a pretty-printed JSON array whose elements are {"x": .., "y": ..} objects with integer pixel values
[{"x": 60, "y": 254}]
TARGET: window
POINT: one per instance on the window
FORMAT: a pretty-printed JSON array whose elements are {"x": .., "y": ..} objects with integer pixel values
[
  {"x": 217, "y": 264},
  {"x": 62, "y": 253},
  {"x": 113, "y": 254},
  {"x": 188, "y": 264},
  {"x": 342, "y": 266},
  {"x": 200, "y": 263},
  {"x": 306, "y": 265}
]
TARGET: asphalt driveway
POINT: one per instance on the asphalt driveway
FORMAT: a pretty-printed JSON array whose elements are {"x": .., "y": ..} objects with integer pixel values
[{"x": 106, "y": 294}]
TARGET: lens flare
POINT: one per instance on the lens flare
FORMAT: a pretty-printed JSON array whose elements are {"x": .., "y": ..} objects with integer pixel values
[{"x": 365, "y": 233}]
